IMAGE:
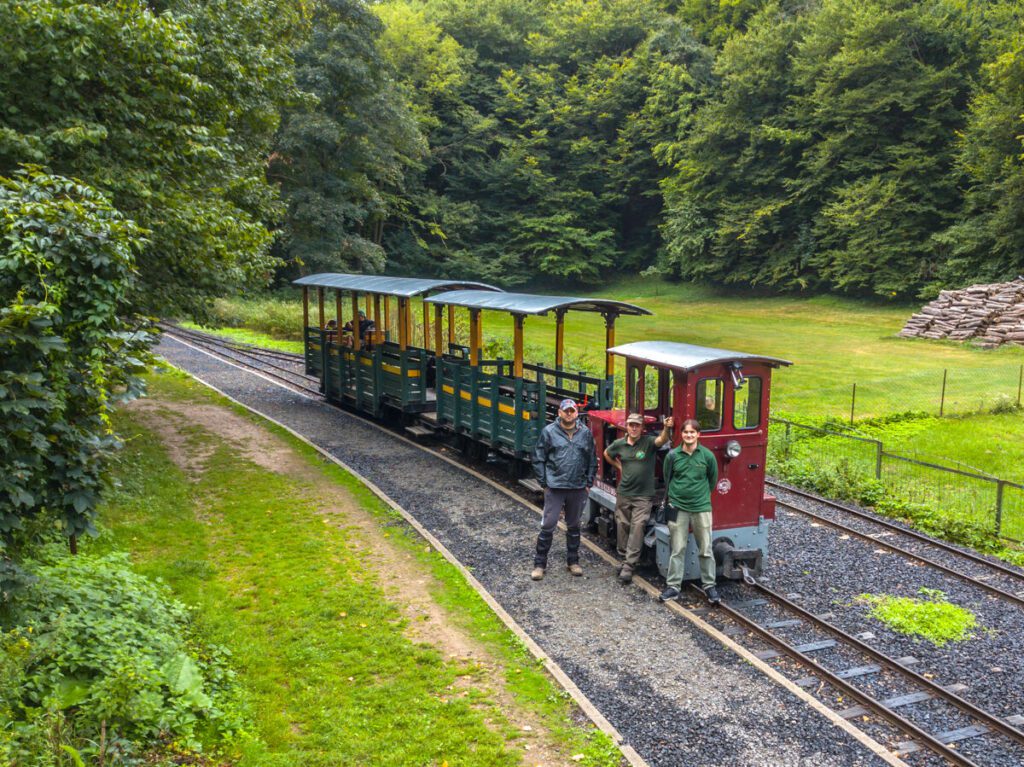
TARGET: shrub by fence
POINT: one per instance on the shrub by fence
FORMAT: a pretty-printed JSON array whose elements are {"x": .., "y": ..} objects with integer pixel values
[{"x": 851, "y": 467}]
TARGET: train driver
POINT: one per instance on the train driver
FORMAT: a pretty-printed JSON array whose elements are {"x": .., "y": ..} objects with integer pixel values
[{"x": 633, "y": 456}]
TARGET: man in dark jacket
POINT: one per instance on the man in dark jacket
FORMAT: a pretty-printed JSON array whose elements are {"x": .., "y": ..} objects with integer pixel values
[{"x": 564, "y": 463}]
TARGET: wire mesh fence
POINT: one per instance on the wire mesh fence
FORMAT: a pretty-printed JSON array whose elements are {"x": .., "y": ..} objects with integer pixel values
[
  {"x": 797, "y": 451},
  {"x": 1011, "y": 511},
  {"x": 943, "y": 391}
]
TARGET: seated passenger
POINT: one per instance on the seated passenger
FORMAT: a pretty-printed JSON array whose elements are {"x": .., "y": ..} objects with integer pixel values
[{"x": 366, "y": 328}]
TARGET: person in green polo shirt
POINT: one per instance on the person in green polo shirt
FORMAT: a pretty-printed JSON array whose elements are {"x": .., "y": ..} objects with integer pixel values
[
  {"x": 634, "y": 456},
  {"x": 691, "y": 473}
]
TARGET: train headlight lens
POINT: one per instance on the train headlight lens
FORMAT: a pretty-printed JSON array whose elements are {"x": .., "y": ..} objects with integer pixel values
[{"x": 732, "y": 449}]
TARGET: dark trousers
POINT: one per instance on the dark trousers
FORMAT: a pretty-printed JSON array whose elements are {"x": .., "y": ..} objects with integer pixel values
[{"x": 554, "y": 501}]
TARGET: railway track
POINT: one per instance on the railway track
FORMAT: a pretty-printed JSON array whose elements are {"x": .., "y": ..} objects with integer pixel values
[
  {"x": 992, "y": 577},
  {"x": 283, "y": 367},
  {"x": 801, "y": 637},
  {"x": 797, "y": 637}
]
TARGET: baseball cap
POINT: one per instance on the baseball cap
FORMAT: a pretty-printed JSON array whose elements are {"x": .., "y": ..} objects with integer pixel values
[
  {"x": 635, "y": 418},
  {"x": 568, "y": 404}
]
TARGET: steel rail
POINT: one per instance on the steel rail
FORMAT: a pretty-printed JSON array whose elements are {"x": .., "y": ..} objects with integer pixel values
[
  {"x": 860, "y": 513},
  {"x": 929, "y": 740},
  {"x": 210, "y": 342},
  {"x": 1007, "y": 595}
]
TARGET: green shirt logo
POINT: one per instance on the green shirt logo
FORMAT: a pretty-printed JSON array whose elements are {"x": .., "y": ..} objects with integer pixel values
[{"x": 640, "y": 455}]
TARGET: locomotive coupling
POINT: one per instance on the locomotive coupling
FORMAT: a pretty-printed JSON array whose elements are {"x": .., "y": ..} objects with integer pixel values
[{"x": 736, "y": 563}]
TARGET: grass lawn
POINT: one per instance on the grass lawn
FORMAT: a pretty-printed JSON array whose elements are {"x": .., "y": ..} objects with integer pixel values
[
  {"x": 247, "y": 336},
  {"x": 357, "y": 644},
  {"x": 833, "y": 343}
]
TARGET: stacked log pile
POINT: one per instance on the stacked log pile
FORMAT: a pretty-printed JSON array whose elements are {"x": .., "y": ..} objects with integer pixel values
[{"x": 990, "y": 314}]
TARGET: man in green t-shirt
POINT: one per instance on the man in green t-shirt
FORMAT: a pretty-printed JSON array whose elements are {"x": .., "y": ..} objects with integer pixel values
[
  {"x": 634, "y": 456},
  {"x": 691, "y": 473}
]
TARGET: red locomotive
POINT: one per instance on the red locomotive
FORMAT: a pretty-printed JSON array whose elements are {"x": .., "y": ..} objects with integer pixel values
[{"x": 728, "y": 393}]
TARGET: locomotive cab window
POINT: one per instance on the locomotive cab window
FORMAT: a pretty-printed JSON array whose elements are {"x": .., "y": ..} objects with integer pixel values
[
  {"x": 746, "y": 405},
  {"x": 708, "y": 409}
]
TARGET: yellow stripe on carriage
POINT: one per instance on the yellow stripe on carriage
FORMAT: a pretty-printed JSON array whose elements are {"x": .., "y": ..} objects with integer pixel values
[
  {"x": 398, "y": 371},
  {"x": 393, "y": 369},
  {"x": 484, "y": 402}
]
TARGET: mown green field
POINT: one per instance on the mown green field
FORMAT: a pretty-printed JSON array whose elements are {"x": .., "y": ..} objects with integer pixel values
[
  {"x": 280, "y": 569},
  {"x": 833, "y": 342}
]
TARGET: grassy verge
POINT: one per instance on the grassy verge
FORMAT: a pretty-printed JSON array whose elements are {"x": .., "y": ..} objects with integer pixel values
[
  {"x": 248, "y": 336},
  {"x": 319, "y": 638}
]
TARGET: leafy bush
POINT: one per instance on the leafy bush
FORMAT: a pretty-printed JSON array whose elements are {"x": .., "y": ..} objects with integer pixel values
[
  {"x": 844, "y": 480},
  {"x": 277, "y": 317},
  {"x": 66, "y": 351},
  {"x": 98, "y": 658},
  {"x": 1004, "y": 404}
]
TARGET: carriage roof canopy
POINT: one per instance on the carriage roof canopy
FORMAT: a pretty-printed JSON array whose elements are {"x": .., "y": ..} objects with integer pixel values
[
  {"x": 528, "y": 303},
  {"x": 404, "y": 287},
  {"x": 687, "y": 356}
]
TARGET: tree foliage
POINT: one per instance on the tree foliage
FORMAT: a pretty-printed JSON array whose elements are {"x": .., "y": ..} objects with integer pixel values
[
  {"x": 792, "y": 144},
  {"x": 66, "y": 353},
  {"x": 827, "y": 157},
  {"x": 987, "y": 242},
  {"x": 341, "y": 155},
  {"x": 541, "y": 158},
  {"x": 169, "y": 112}
]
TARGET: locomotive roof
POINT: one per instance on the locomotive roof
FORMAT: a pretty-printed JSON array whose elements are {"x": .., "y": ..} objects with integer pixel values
[
  {"x": 687, "y": 356},
  {"x": 391, "y": 286},
  {"x": 529, "y": 303}
]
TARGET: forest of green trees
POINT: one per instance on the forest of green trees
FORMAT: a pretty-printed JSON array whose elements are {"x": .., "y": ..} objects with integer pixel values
[{"x": 867, "y": 147}]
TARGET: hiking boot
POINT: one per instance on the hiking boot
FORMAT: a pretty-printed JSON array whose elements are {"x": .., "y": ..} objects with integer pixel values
[
  {"x": 537, "y": 574},
  {"x": 712, "y": 594},
  {"x": 626, "y": 574},
  {"x": 670, "y": 593},
  {"x": 575, "y": 569}
]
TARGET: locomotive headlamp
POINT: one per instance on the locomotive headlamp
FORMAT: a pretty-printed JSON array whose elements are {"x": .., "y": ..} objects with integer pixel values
[{"x": 732, "y": 449}]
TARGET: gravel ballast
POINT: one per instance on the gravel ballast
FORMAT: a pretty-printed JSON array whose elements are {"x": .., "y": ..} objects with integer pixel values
[
  {"x": 830, "y": 573},
  {"x": 675, "y": 694}
]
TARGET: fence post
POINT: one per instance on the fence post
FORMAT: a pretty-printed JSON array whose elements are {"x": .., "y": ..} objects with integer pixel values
[
  {"x": 1000, "y": 484},
  {"x": 878, "y": 459},
  {"x": 1020, "y": 380},
  {"x": 942, "y": 397},
  {"x": 853, "y": 401}
]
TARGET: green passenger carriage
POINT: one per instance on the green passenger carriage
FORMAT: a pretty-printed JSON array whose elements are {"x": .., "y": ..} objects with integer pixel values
[
  {"x": 377, "y": 364},
  {"x": 504, "y": 403}
]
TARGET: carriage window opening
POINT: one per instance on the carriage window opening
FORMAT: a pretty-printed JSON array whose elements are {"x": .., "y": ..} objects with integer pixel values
[
  {"x": 651, "y": 390},
  {"x": 631, "y": 378},
  {"x": 746, "y": 407},
  {"x": 708, "y": 410}
]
